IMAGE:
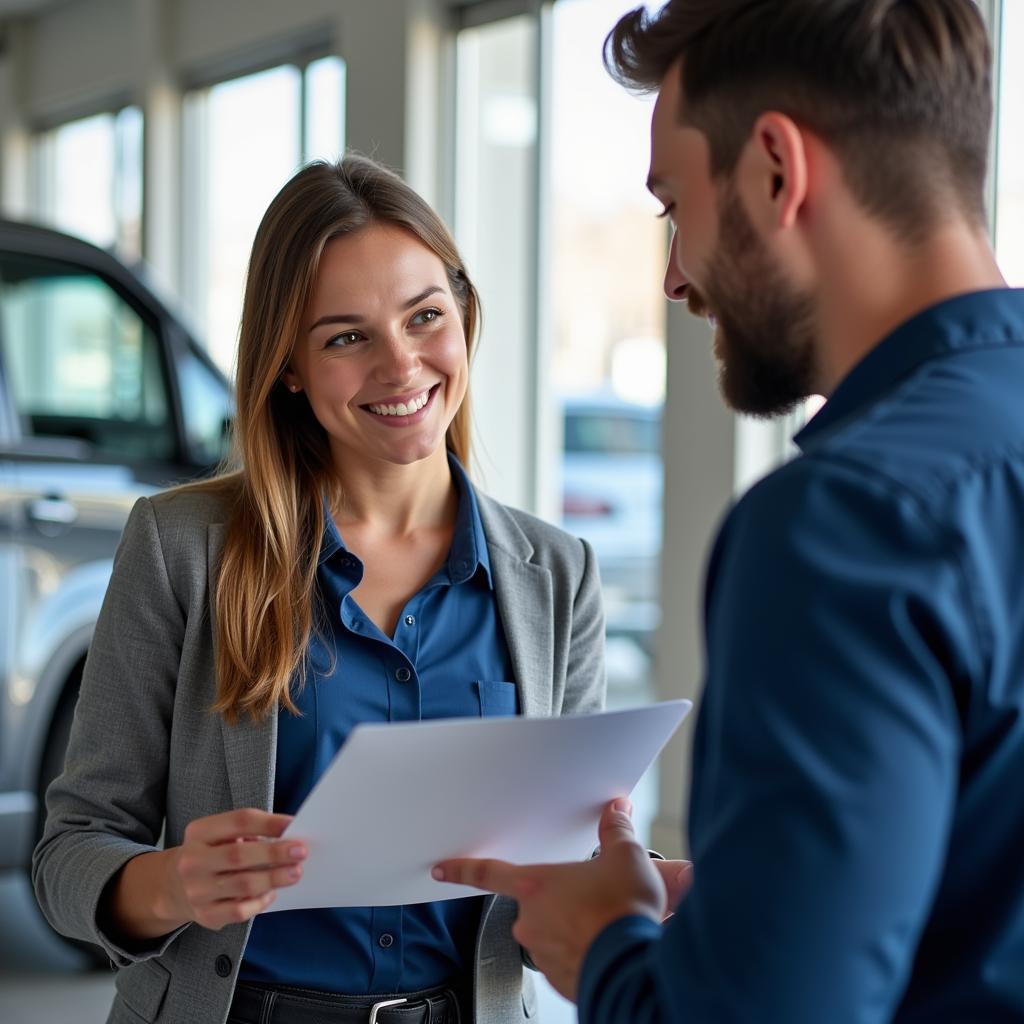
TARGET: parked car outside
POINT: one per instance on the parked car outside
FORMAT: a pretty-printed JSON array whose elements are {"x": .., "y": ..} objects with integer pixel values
[
  {"x": 611, "y": 495},
  {"x": 104, "y": 396}
]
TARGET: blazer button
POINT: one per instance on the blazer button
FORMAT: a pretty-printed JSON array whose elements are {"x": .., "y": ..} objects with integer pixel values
[
  {"x": 222, "y": 965},
  {"x": 403, "y": 675},
  {"x": 386, "y": 941}
]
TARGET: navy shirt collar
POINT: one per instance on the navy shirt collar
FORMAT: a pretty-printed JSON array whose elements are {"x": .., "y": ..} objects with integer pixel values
[
  {"x": 983, "y": 319},
  {"x": 468, "y": 552}
]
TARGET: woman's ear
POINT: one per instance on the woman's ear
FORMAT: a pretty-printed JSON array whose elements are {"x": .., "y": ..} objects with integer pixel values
[{"x": 291, "y": 380}]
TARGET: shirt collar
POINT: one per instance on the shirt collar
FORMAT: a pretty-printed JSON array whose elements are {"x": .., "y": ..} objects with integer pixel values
[
  {"x": 984, "y": 319},
  {"x": 469, "y": 543}
]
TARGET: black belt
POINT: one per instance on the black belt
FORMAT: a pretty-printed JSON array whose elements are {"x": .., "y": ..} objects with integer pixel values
[{"x": 275, "y": 1004}]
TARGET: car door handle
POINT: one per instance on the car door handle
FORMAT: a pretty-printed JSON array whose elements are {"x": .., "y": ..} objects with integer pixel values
[{"x": 52, "y": 510}]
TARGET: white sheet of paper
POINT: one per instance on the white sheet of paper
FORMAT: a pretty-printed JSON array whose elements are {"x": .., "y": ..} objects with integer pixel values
[{"x": 401, "y": 796}]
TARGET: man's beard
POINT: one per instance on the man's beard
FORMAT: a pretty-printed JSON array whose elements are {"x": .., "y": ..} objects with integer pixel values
[{"x": 764, "y": 334}]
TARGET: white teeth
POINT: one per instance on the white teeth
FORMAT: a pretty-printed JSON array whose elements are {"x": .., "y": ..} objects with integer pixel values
[{"x": 403, "y": 408}]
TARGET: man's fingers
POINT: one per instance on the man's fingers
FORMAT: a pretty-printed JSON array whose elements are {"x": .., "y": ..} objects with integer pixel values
[
  {"x": 491, "y": 875},
  {"x": 677, "y": 876},
  {"x": 616, "y": 826}
]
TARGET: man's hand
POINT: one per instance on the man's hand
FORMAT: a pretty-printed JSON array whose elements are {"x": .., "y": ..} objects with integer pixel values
[
  {"x": 678, "y": 877},
  {"x": 564, "y": 907}
]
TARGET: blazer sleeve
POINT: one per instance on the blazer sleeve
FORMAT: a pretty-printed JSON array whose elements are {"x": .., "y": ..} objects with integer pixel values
[
  {"x": 108, "y": 805},
  {"x": 586, "y": 680}
]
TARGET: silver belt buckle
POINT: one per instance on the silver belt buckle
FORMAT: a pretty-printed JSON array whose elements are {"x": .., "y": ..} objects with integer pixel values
[{"x": 377, "y": 1007}]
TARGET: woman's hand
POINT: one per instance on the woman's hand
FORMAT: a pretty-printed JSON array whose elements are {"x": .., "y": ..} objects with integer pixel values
[
  {"x": 227, "y": 870},
  {"x": 230, "y": 866}
]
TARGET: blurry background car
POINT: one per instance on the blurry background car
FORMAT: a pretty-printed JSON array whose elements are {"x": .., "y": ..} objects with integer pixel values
[
  {"x": 611, "y": 495},
  {"x": 104, "y": 396}
]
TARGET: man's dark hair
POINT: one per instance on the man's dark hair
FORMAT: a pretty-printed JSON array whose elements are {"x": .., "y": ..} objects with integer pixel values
[{"x": 900, "y": 90}]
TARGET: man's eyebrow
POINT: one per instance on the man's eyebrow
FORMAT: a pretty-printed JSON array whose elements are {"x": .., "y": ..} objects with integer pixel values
[{"x": 358, "y": 318}]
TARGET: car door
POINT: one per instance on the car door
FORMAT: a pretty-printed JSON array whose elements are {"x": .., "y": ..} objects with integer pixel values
[{"x": 86, "y": 373}]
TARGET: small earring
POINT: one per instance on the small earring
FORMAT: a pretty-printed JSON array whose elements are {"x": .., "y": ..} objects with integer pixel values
[{"x": 293, "y": 388}]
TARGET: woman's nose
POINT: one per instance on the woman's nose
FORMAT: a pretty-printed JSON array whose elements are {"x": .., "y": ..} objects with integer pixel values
[{"x": 399, "y": 360}]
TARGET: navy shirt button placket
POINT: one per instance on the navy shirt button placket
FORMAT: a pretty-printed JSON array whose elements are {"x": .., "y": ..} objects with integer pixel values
[
  {"x": 386, "y": 941},
  {"x": 403, "y": 675}
]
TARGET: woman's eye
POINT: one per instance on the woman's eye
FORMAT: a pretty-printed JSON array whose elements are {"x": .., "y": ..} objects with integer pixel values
[
  {"x": 346, "y": 339},
  {"x": 427, "y": 316}
]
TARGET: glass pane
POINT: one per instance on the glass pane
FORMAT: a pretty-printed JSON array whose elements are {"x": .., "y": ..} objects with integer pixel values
[
  {"x": 250, "y": 147},
  {"x": 608, "y": 325},
  {"x": 325, "y": 109},
  {"x": 90, "y": 180},
  {"x": 206, "y": 405},
  {"x": 495, "y": 225},
  {"x": 128, "y": 183},
  {"x": 1010, "y": 197},
  {"x": 81, "y": 362},
  {"x": 79, "y": 179}
]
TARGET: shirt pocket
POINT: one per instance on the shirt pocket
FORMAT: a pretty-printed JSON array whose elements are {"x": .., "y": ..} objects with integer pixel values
[{"x": 497, "y": 698}]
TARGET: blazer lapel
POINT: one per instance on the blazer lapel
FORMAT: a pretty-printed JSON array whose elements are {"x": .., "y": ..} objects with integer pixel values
[
  {"x": 526, "y": 605},
  {"x": 250, "y": 748}
]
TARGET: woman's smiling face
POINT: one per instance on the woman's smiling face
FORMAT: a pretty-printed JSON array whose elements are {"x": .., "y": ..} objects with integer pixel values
[{"x": 382, "y": 353}]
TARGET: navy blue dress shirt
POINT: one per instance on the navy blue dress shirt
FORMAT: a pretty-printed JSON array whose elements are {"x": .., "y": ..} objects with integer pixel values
[
  {"x": 857, "y": 814},
  {"x": 448, "y": 658}
]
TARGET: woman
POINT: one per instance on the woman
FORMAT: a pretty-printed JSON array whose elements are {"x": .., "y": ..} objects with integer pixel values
[{"x": 345, "y": 571}]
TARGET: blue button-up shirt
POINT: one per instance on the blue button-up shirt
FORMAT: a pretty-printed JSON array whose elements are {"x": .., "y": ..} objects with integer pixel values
[
  {"x": 448, "y": 658},
  {"x": 857, "y": 816}
]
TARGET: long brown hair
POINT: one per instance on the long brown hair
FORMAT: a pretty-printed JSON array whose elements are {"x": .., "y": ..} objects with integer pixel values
[{"x": 264, "y": 600}]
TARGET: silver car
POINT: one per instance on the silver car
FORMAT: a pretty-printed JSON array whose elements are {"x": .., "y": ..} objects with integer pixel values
[
  {"x": 611, "y": 495},
  {"x": 104, "y": 396}
]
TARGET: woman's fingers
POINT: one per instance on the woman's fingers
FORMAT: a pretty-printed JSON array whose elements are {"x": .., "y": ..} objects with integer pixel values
[
  {"x": 247, "y": 885},
  {"x": 231, "y": 825},
  {"x": 216, "y": 915},
  {"x": 230, "y": 865}
]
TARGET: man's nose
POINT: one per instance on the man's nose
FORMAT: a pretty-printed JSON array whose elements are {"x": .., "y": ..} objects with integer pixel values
[{"x": 676, "y": 281}]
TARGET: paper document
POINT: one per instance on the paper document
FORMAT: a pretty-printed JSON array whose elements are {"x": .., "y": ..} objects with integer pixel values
[{"x": 401, "y": 796}]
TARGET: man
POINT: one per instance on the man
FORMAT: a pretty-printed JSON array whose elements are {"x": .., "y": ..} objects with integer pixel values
[{"x": 857, "y": 814}]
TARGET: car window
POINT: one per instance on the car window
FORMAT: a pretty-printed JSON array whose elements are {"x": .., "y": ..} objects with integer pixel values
[
  {"x": 206, "y": 407},
  {"x": 612, "y": 432},
  {"x": 81, "y": 362}
]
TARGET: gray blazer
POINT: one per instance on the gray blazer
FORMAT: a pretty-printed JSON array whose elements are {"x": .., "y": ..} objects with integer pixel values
[{"x": 147, "y": 756}]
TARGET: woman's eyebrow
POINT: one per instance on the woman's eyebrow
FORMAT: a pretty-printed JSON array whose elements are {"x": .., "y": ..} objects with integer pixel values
[{"x": 358, "y": 318}]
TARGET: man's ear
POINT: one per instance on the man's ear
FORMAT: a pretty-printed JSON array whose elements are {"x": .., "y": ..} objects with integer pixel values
[{"x": 774, "y": 171}]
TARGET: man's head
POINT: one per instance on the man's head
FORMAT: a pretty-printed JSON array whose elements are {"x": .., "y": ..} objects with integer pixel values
[{"x": 757, "y": 100}]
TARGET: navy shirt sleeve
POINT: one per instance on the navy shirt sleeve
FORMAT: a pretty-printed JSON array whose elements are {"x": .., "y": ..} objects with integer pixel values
[{"x": 825, "y": 766}]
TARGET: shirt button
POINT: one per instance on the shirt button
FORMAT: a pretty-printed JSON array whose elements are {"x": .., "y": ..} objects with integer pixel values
[
  {"x": 222, "y": 965},
  {"x": 410, "y": 620},
  {"x": 386, "y": 941},
  {"x": 403, "y": 675}
]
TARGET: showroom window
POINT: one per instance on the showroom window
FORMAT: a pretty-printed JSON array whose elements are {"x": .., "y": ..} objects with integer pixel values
[
  {"x": 88, "y": 179},
  {"x": 243, "y": 139},
  {"x": 568, "y": 254}
]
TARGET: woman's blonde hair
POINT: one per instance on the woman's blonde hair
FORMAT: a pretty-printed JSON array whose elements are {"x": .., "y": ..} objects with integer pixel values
[{"x": 265, "y": 594}]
